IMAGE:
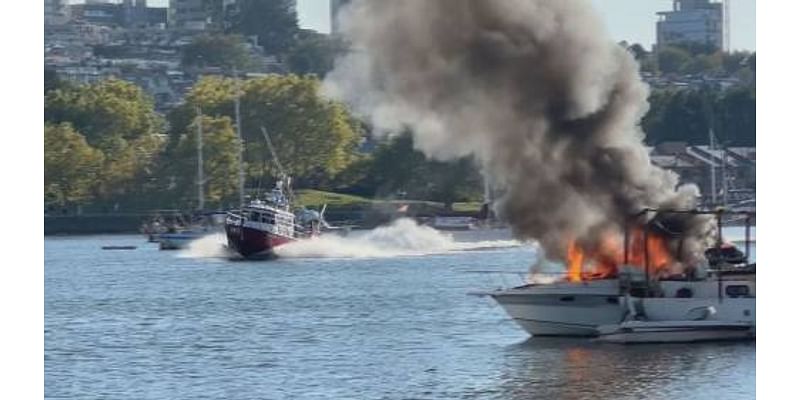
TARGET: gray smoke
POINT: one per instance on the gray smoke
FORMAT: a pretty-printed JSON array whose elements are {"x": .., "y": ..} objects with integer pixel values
[{"x": 535, "y": 90}]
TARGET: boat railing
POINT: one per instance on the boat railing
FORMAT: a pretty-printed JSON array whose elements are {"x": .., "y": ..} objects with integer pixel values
[
  {"x": 523, "y": 278},
  {"x": 719, "y": 214}
]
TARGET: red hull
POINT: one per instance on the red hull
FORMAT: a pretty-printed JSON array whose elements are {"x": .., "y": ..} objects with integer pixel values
[{"x": 254, "y": 243}]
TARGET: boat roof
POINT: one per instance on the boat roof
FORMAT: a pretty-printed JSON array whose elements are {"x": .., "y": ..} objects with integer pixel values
[{"x": 262, "y": 206}]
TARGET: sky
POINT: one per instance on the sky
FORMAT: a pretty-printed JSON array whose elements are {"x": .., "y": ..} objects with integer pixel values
[{"x": 629, "y": 20}]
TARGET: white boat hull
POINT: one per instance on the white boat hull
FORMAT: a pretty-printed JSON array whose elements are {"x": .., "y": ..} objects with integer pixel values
[
  {"x": 578, "y": 309},
  {"x": 177, "y": 241},
  {"x": 563, "y": 309},
  {"x": 675, "y": 331}
]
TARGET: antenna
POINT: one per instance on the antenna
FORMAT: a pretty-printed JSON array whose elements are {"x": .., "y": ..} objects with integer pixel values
[
  {"x": 284, "y": 176},
  {"x": 237, "y": 108},
  {"x": 273, "y": 152},
  {"x": 200, "y": 178}
]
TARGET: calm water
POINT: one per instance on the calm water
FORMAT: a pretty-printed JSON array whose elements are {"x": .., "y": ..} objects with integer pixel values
[{"x": 146, "y": 324}]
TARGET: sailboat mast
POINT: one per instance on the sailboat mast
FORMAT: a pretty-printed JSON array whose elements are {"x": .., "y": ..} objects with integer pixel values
[
  {"x": 724, "y": 173},
  {"x": 711, "y": 147},
  {"x": 201, "y": 201},
  {"x": 240, "y": 158}
]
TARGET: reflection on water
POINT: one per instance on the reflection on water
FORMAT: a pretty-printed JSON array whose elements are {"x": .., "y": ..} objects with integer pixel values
[{"x": 552, "y": 368}]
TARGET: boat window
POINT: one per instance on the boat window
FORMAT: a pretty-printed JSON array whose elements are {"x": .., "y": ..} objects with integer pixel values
[
  {"x": 567, "y": 298},
  {"x": 612, "y": 300},
  {"x": 737, "y": 291},
  {"x": 684, "y": 293}
]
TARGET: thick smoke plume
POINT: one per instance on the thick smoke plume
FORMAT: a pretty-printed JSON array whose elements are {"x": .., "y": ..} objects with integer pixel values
[{"x": 536, "y": 91}]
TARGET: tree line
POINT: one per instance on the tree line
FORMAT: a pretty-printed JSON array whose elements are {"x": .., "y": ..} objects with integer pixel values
[{"x": 107, "y": 150}]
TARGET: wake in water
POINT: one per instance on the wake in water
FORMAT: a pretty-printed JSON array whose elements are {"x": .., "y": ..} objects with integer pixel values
[
  {"x": 403, "y": 237},
  {"x": 210, "y": 246}
]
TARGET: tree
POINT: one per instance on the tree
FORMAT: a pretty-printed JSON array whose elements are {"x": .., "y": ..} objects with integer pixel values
[
  {"x": 117, "y": 119},
  {"x": 52, "y": 81},
  {"x": 220, "y": 157},
  {"x": 223, "y": 51},
  {"x": 274, "y": 22},
  {"x": 639, "y": 53},
  {"x": 396, "y": 167},
  {"x": 104, "y": 111},
  {"x": 71, "y": 167},
  {"x": 676, "y": 115},
  {"x": 128, "y": 165},
  {"x": 685, "y": 115},
  {"x": 672, "y": 59},
  {"x": 313, "y": 53},
  {"x": 315, "y": 138},
  {"x": 736, "y": 110}
]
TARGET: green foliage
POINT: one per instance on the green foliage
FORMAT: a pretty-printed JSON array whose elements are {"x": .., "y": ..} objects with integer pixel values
[
  {"x": 398, "y": 169},
  {"x": 71, "y": 167},
  {"x": 128, "y": 163},
  {"x": 315, "y": 138},
  {"x": 685, "y": 115},
  {"x": 317, "y": 198},
  {"x": 313, "y": 53},
  {"x": 223, "y": 51},
  {"x": 677, "y": 59},
  {"x": 219, "y": 160},
  {"x": 695, "y": 48},
  {"x": 274, "y": 22},
  {"x": 673, "y": 59},
  {"x": 639, "y": 53},
  {"x": 116, "y": 120},
  {"x": 104, "y": 112},
  {"x": 52, "y": 81},
  {"x": 736, "y": 110}
]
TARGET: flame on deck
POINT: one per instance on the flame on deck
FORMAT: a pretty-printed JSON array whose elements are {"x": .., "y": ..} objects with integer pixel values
[{"x": 603, "y": 259}]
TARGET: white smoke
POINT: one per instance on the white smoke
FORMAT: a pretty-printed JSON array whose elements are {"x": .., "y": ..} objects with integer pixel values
[
  {"x": 209, "y": 246},
  {"x": 403, "y": 237}
]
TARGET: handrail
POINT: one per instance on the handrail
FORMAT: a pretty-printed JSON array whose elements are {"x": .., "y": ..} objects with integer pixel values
[{"x": 694, "y": 212}]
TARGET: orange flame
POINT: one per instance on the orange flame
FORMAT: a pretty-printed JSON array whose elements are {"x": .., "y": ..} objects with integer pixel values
[{"x": 603, "y": 259}]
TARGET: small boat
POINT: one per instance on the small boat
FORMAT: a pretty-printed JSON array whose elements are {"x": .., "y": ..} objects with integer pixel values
[
  {"x": 630, "y": 332},
  {"x": 178, "y": 240},
  {"x": 454, "y": 223},
  {"x": 179, "y": 237},
  {"x": 180, "y": 231},
  {"x": 119, "y": 247}
]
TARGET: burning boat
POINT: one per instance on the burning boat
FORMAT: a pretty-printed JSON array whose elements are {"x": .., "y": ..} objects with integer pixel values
[{"x": 598, "y": 281}]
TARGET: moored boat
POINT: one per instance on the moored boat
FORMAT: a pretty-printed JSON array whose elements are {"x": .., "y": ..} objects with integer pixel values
[
  {"x": 630, "y": 332},
  {"x": 581, "y": 305}
]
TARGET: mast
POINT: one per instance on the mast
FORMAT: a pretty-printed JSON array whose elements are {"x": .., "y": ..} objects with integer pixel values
[
  {"x": 284, "y": 177},
  {"x": 240, "y": 153},
  {"x": 724, "y": 173},
  {"x": 711, "y": 148},
  {"x": 201, "y": 201},
  {"x": 487, "y": 189}
]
